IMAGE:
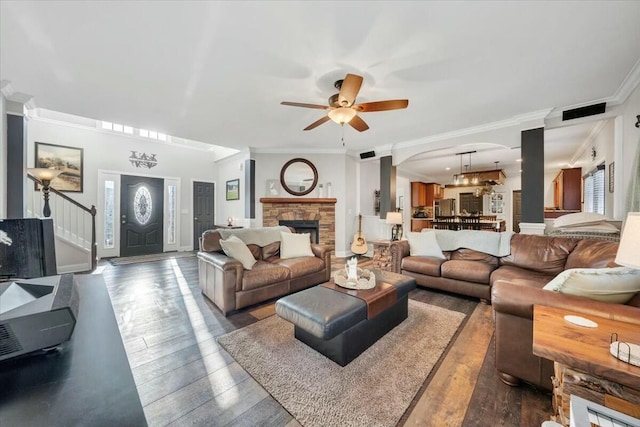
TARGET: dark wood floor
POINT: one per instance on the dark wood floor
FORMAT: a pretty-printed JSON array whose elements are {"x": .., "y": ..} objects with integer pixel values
[{"x": 185, "y": 378}]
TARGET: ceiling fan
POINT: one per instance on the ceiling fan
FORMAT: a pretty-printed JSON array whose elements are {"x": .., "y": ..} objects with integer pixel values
[{"x": 343, "y": 109}]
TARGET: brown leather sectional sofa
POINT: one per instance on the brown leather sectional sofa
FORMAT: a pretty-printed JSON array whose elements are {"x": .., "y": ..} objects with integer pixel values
[
  {"x": 513, "y": 284},
  {"x": 230, "y": 287}
]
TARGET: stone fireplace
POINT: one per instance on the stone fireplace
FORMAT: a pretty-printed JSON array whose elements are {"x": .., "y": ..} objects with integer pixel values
[{"x": 307, "y": 215}]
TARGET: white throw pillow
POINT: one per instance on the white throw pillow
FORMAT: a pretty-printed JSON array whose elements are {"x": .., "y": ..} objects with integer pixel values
[
  {"x": 294, "y": 245},
  {"x": 578, "y": 219},
  {"x": 235, "y": 248},
  {"x": 617, "y": 285},
  {"x": 424, "y": 244}
]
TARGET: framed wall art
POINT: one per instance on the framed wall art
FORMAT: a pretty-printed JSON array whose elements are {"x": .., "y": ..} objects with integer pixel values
[
  {"x": 233, "y": 189},
  {"x": 67, "y": 159},
  {"x": 612, "y": 168}
]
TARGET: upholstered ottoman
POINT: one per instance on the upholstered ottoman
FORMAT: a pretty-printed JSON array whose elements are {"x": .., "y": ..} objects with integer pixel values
[{"x": 341, "y": 324}]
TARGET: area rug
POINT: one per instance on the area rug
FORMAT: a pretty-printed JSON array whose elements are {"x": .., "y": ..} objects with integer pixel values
[
  {"x": 150, "y": 258},
  {"x": 373, "y": 390}
]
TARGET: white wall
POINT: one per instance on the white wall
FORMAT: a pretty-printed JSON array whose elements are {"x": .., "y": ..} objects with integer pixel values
[
  {"x": 631, "y": 145},
  {"x": 110, "y": 151},
  {"x": 229, "y": 169}
]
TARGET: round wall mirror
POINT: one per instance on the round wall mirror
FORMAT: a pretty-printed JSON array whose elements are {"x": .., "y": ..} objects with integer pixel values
[{"x": 299, "y": 177}]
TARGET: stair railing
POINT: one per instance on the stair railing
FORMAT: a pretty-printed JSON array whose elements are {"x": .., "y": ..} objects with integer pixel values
[{"x": 69, "y": 219}]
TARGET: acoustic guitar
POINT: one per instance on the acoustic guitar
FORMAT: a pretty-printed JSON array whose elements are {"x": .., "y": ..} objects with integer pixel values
[{"x": 359, "y": 245}]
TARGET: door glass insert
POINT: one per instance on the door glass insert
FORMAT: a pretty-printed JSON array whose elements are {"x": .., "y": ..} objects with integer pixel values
[
  {"x": 171, "y": 231},
  {"x": 109, "y": 214},
  {"x": 142, "y": 205}
]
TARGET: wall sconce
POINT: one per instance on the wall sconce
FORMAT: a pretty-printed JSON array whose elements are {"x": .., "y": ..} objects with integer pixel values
[
  {"x": 395, "y": 218},
  {"x": 45, "y": 176}
]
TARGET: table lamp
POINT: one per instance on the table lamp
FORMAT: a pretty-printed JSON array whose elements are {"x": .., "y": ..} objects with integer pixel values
[
  {"x": 629, "y": 247},
  {"x": 395, "y": 218}
]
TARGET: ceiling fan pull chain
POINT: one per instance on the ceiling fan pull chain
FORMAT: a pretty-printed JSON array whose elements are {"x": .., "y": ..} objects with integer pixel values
[{"x": 342, "y": 126}]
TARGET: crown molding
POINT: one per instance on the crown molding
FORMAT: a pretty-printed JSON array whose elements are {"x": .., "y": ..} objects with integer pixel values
[
  {"x": 628, "y": 85},
  {"x": 299, "y": 150},
  {"x": 539, "y": 115},
  {"x": 588, "y": 141}
]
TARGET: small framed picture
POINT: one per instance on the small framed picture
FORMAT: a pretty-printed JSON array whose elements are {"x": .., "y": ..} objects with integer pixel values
[{"x": 233, "y": 189}]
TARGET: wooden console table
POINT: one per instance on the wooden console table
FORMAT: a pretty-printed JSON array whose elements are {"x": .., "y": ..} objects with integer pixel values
[{"x": 583, "y": 365}]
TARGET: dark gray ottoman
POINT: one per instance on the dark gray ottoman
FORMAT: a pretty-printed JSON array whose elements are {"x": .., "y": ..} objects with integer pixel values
[{"x": 336, "y": 325}]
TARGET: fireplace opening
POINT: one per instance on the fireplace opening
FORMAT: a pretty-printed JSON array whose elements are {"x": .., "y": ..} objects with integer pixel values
[{"x": 304, "y": 226}]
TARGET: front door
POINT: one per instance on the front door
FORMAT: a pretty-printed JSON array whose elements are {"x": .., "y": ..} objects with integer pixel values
[
  {"x": 517, "y": 210},
  {"x": 203, "y": 209},
  {"x": 141, "y": 215}
]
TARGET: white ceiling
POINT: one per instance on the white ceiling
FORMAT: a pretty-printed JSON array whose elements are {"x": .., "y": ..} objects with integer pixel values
[{"x": 216, "y": 72}]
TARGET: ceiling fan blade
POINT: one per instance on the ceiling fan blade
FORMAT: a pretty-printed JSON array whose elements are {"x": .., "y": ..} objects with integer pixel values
[
  {"x": 349, "y": 90},
  {"x": 300, "y": 104},
  {"x": 317, "y": 123},
  {"x": 393, "y": 104},
  {"x": 358, "y": 124}
]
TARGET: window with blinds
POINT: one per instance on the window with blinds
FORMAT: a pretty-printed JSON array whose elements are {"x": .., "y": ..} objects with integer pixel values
[{"x": 594, "y": 190}]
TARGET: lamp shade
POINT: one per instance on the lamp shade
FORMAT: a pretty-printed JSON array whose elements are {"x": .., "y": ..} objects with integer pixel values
[
  {"x": 44, "y": 174},
  {"x": 394, "y": 217},
  {"x": 629, "y": 248},
  {"x": 342, "y": 115}
]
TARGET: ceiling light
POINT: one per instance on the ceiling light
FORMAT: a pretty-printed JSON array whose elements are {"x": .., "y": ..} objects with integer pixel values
[
  {"x": 518, "y": 160},
  {"x": 342, "y": 115}
]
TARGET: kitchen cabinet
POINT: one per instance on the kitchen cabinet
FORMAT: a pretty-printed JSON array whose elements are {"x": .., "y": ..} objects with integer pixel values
[
  {"x": 567, "y": 189},
  {"x": 424, "y": 194},
  {"x": 418, "y": 194},
  {"x": 417, "y": 224}
]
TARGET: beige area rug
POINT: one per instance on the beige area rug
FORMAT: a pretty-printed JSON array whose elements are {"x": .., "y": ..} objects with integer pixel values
[
  {"x": 373, "y": 390},
  {"x": 150, "y": 258}
]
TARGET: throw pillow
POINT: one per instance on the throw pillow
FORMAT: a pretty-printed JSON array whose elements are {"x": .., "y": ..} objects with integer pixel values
[
  {"x": 424, "y": 244},
  {"x": 235, "y": 248},
  {"x": 294, "y": 245},
  {"x": 603, "y": 227},
  {"x": 616, "y": 285},
  {"x": 578, "y": 219}
]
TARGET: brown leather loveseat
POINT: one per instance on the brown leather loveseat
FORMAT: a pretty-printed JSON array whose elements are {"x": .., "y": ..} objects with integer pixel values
[
  {"x": 230, "y": 286},
  {"x": 513, "y": 283}
]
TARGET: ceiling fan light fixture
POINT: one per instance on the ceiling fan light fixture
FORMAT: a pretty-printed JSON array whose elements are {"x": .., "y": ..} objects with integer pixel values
[{"x": 342, "y": 115}]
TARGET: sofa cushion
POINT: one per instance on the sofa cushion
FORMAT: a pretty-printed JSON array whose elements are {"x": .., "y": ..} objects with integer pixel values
[
  {"x": 521, "y": 276},
  {"x": 592, "y": 253},
  {"x": 295, "y": 245},
  {"x": 255, "y": 250},
  {"x": 301, "y": 266},
  {"x": 424, "y": 244},
  {"x": 544, "y": 254},
  {"x": 615, "y": 285},
  {"x": 236, "y": 249},
  {"x": 271, "y": 250},
  {"x": 262, "y": 274},
  {"x": 469, "y": 271},
  {"x": 422, "y": 265},
  {"x": 472, "y": 255}
]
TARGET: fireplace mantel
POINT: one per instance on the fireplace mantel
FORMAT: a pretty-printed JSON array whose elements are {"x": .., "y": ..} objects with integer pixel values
[{"x": 297, "y": 200}]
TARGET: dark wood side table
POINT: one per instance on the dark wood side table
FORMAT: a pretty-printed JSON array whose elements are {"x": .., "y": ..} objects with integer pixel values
[
  {"x": 227, "y": 226},
  {"x": 583, "y": 364}
]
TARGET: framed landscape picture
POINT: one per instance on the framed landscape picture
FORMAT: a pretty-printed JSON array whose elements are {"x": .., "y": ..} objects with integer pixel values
[
  {"x": 67, "y": 159},
  {"x": 233, "y": 189}
]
